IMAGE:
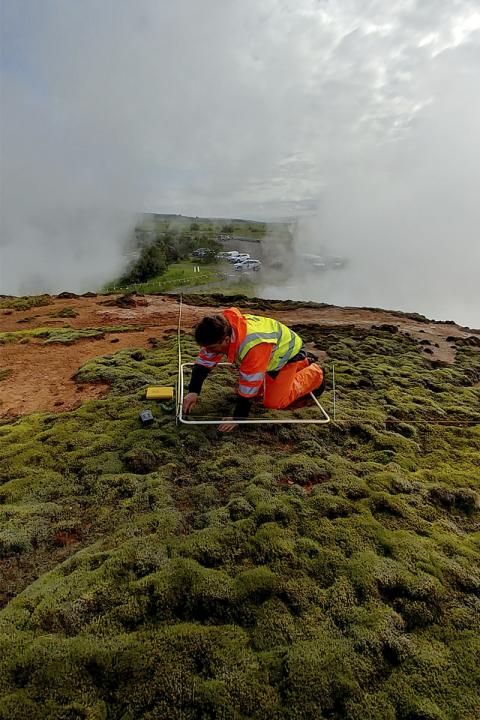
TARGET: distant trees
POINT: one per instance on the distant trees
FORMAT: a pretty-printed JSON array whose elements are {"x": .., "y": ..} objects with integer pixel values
[
  {"x": 157, "y": 249},
  {"x": 209, "y": 256},
  {"x": 152, "y": 262},
  {"x": 158, "y": 245}
]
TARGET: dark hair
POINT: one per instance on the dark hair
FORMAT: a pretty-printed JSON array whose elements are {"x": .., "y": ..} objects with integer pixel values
[{"x": 211, "y": 330}]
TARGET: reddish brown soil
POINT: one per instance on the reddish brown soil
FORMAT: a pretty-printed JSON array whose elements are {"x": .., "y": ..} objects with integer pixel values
[{"x": 41, "y": 375}]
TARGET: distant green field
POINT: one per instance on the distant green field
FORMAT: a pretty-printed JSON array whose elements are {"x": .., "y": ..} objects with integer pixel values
[
  {"x": 182, "y": 274},
  {"x": 177, "y": 274}
]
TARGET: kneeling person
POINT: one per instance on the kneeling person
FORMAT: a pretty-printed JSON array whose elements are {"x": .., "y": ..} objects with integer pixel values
[{"x": 270, "y": 356}]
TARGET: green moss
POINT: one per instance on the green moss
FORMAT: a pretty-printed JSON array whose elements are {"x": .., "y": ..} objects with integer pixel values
[
  {"x": 272, "y": 542},
  {"x": 25, "y": 303},
  {"x": 66, "y": 335},
  {"x": 64, "y": 312},
  {"x": 302, "y": 469},
  {"x": 296, "y": 571},
  {"x": 311, "y": 689},
  {"x": 274, "y": 625}
]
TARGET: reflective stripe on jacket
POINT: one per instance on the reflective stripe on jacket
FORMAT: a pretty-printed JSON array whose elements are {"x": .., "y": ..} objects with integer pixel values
[
  {"x": 207, "y": 359},
  {"x": 267, "y": 330}
]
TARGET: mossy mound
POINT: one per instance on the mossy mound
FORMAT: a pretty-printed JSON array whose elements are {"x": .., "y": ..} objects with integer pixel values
[
  {"x": 64, "y": 312},
  {"x": 65, "y": 335},
  {"x": 25, "y": 303},
  {"x": 278, "y": 572},
  {"x": 239, "y": 300}
]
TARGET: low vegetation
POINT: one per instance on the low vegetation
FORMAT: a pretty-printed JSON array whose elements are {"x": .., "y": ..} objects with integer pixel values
[
  {"x": 65, "y": 335},
  {"x": 25, "y": 303},
  {"x": 283, "y": 572},
  {"x": 178, "y": 275},
  {"x": 64, "y": 312}
]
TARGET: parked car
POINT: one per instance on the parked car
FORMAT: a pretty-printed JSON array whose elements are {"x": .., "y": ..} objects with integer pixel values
[
  {"x": 228, "y": 255},
  {"x": 239, "y": 258},
  {"x": 199, "y": 252},
  {"x": 248, "y": 265}
]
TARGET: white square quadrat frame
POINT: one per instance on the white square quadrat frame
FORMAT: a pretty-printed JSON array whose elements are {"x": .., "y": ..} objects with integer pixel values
[{"x": 252, "y": 421}]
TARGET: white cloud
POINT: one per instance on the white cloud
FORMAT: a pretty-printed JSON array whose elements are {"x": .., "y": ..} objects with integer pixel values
[{"x": 230, "y": 108}]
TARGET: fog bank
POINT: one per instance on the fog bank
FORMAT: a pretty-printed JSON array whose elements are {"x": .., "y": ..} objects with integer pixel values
[{"x": 361, "y": 120}]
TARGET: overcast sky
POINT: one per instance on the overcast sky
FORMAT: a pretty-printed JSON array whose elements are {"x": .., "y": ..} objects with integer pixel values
[{"x": 363, "y": 117}]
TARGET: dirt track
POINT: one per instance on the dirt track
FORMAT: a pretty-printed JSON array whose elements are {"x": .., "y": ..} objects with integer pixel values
[{"x": 41, "y": 375}]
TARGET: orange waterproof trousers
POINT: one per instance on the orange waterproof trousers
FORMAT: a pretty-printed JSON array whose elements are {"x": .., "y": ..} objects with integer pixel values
[{"x": 294, "y": 380}]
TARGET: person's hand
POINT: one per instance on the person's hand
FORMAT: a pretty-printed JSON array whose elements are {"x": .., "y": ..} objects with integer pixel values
[
  {"x": 228, "y": 425},
  {"x": 189, "y": 402}
]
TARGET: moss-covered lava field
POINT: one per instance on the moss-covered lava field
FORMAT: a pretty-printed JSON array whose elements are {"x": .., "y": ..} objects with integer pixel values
[{"x": 304, "y": 572}]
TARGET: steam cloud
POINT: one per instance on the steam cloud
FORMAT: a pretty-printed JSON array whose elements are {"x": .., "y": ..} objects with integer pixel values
[{"x": 363, "y": 120}]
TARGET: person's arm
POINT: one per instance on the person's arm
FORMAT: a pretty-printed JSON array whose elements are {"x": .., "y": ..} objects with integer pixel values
[
  {"x": 199, "y": 373},
  {"x": 242, "y": 408},
  {"x": 204, "y": 364}
]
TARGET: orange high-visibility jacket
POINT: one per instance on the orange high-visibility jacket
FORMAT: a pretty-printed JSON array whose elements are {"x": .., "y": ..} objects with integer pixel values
[{"x": 258, "y": 345}]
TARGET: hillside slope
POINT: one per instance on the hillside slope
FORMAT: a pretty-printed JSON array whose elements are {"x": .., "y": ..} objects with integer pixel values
[{"x": 277, "y": 572}]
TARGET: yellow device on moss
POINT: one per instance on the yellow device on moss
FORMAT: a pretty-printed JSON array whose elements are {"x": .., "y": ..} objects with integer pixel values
[{"x": 159, "y": 393}]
